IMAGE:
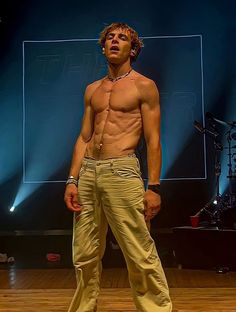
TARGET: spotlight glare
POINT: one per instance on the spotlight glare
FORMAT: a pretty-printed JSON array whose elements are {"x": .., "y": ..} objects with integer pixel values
[
  {"x": 215, "y": 202},
  {"x": 12, "y": 209}
]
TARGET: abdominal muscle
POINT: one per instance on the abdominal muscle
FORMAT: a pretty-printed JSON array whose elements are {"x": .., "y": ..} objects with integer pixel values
[{"x": 116, "y": 134}]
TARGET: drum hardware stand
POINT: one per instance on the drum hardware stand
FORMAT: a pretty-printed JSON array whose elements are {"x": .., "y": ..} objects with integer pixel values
[
  {"x": 228, "y": 200},
  {"x": 216, "y": 201},
  {"x": 231, "y": 196}
]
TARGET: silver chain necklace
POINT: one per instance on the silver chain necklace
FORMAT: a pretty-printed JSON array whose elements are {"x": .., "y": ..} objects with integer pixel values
[{"x": 120, "y": 77}]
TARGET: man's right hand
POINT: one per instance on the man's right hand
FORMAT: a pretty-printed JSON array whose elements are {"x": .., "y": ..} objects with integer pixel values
[{"x": 71, "y": 198}]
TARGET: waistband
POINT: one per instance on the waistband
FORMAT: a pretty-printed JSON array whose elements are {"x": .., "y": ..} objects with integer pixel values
[{"x": 109, "y": 161}]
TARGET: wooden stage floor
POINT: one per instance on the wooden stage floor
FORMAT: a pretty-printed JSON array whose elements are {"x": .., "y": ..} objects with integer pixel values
[{"x": 37, "y": 290}]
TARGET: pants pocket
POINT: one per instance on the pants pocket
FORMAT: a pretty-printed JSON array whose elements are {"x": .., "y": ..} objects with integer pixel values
[{"x": 127, "y": 173}]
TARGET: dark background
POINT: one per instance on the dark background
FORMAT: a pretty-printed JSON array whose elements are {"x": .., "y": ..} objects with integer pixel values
[{"x": 40, "y": 119}]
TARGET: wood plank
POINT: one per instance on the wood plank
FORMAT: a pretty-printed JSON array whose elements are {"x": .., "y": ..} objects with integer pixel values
[
  {"x": 52, "y": 290},
  {"x": 111, "y": 278},
  {"x": 117, "y": 300}
]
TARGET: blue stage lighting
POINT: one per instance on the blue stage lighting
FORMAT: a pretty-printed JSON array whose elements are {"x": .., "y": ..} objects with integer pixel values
[{"x": 24, "y": 191}]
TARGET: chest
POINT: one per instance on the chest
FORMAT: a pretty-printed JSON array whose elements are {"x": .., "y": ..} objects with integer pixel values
[{"x": 119, "y": 96}]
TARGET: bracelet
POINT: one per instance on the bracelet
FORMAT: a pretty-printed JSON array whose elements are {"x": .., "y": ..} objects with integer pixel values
[
  {"x": 156, "y": 188},
  {"x": 72, "y": 180}
]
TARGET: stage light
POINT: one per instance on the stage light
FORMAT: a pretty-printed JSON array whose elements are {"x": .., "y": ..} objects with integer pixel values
[
  {"x": 12, "y": 209},
  {"x": 215, "y": 202},
  {"x": 24, "y": 191}
]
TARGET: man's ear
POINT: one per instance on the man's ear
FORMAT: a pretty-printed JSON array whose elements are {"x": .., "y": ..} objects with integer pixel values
[{"x": 133, "y": 52}]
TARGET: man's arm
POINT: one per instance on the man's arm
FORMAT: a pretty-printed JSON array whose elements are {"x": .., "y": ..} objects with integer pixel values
[
  {"x": 71, "y": 192},
  {"x": 150, "y": 110},
  {"x": 85, "y": 134}
]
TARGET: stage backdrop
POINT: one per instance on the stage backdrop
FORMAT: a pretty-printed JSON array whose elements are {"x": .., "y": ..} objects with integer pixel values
[{"x": 49, "y": 53}]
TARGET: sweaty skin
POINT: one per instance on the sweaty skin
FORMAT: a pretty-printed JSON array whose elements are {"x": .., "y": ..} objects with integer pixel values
[{"x": 115, "y": 114}]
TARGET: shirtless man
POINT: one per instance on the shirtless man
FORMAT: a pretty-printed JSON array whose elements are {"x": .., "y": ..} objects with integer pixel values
[{"x": 118, "y": 108}]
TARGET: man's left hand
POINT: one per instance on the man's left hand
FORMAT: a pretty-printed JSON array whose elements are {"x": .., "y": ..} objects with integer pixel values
[{"x": 152, "y": 204}]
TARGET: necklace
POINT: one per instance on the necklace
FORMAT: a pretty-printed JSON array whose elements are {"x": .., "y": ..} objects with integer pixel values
[{"x": 120, "y": 77}]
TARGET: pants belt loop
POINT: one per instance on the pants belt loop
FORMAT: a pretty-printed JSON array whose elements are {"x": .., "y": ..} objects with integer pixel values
[
  {"x": 111, "y": 165},
  {"x": 86, "y": 162}
]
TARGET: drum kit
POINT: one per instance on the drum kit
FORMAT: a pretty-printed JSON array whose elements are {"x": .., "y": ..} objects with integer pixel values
[{"x": 220, "y": 202}]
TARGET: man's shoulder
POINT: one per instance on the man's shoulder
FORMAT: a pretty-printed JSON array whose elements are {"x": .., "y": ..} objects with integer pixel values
[
  {"x": 143, "y": 82},
  {"x": 94, "y": 84},
  {"x": 92, "y": 87}
]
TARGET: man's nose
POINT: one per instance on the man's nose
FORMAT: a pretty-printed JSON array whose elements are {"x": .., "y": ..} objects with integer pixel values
[{"x": 115, "y": 39}]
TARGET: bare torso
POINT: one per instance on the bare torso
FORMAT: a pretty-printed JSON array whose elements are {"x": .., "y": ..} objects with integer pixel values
[{"x": 117, "y": 119}]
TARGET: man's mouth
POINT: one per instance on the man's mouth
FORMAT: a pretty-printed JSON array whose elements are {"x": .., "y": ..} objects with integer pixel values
[{"x": 114, "y": 48}]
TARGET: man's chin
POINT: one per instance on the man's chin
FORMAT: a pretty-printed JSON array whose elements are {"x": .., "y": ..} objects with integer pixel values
[{"x": 115, "y": 60}]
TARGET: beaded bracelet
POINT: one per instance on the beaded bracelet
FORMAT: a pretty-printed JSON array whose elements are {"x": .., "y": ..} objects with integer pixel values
[{"x": 72, "y": 180}]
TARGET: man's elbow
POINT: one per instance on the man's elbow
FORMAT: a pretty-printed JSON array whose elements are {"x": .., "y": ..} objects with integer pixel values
[{"x": 86, "y": 136}]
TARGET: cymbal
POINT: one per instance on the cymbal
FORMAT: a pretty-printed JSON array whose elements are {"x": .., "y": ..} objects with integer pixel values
[{"x": 233, "y": 136}]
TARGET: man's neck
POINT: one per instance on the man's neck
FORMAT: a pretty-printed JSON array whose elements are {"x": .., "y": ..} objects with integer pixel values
[{"x": 115, "y": 70}]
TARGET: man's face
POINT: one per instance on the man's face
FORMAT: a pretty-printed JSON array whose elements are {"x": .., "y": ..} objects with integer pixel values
[{"x": 118, "y": 46}]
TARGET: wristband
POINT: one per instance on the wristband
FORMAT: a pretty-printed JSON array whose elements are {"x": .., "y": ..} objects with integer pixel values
[
  {"x": 72, "y": 180},
  {"x": 156, "y": 188}
]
